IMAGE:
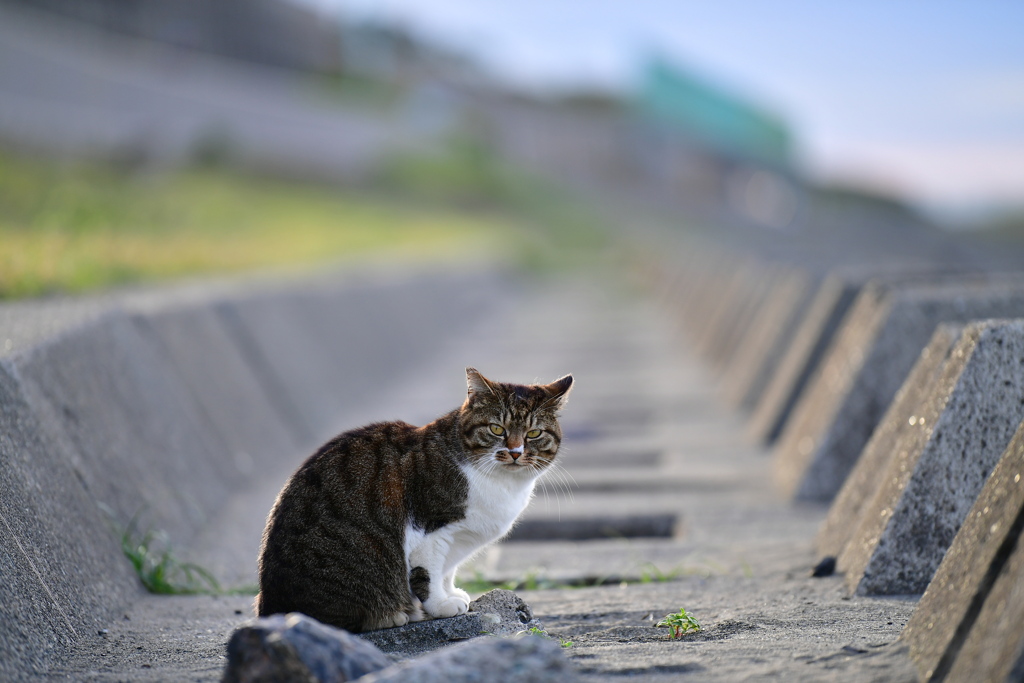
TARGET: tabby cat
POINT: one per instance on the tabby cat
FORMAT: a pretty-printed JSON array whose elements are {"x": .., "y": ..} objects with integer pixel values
[{"x": 369, "y": 532}]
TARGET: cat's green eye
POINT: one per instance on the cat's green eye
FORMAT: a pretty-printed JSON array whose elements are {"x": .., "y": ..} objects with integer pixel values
[
  {"x": 533, "y": 434},
  {"x": 497, "y": 430}
]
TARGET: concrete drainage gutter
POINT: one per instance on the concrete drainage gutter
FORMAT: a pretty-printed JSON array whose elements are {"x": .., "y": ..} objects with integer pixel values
[{"x": 162, "y": 404}]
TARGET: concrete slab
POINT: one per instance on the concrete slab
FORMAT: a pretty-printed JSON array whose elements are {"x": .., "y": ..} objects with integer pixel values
[
  {"x": 994, "y": 648},
  {"x": 141, "y": 444},
  {"x": 898, "y": 424},
  {"x": 800, "y": 360},
  {"x": 928, "y": 488},
  {"x": 767, "y": 339},
  {"x": 320, "y": 349},
  {"x": 871, "y": 357},
  {"x": 63, "y": 572},
  {"x": 949, "y": 607},
  {"x": 252, "y": 434}
]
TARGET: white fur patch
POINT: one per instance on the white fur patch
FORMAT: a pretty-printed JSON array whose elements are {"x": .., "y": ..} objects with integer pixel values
[{"x": 496, "y": 498}]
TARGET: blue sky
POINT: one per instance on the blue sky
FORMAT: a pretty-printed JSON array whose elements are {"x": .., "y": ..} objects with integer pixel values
[{"x": 921, "y": 98}]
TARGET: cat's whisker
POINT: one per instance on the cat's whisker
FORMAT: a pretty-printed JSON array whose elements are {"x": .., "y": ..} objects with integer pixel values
[{"x": 559, "y": 477}]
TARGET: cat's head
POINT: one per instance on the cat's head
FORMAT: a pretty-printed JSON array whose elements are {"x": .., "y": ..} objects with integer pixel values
[{"x": 512, "y": 427}]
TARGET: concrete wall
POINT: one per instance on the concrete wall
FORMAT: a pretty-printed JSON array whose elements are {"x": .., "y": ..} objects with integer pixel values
[{"x": 160, "y": 406}]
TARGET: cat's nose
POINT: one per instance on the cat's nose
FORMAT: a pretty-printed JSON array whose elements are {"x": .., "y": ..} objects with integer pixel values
[{"x": 515, "y": 452}]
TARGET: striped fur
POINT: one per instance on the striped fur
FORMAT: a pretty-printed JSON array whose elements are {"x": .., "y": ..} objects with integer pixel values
[{"x": 389, "y": 503}]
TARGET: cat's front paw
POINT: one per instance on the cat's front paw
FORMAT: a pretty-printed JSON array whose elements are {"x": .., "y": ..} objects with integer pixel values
[
  {"x": 459, "y": 593},
  {"x": 448, "y": 607}
]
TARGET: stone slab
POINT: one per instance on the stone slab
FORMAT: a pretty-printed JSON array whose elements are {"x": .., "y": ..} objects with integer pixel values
[
  {"x": 994, "y": 648},
  {"x": 939, "y": 470},
  {"x": 949, "y": 607},
  {"x": 871, "y": 357},
  {"x": 759, "y": 285},
  {"x": 900, "y": 419}
]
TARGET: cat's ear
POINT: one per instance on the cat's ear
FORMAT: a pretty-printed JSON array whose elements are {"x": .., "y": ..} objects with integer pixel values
[
  {"x": 478, "y": 384},
  {"x": 558, "y": 391}
]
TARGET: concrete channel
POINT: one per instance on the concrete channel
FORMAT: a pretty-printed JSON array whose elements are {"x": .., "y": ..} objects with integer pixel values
[{"x": 186, "y": 408}]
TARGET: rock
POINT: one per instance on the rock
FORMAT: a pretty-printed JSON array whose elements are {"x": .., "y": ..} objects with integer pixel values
[
  {"x": 424, "y": 636},
  {"x": 294, "y": 647},
  {"x": 528, "y": 659},
  {"x": 498, "y": 612},
  {"x": 504, "y": 613}
]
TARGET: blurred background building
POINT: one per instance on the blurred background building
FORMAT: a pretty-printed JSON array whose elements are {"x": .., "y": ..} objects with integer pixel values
[{"x": 317, "y": 91}]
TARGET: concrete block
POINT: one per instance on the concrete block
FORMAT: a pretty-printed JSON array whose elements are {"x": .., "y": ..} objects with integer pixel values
[
  {"x": 140, "y": 442},
  {"x": 962, "y": 429},
  {"x": 712, "y": 320},
  {"x": 62, "y": 574},
  {"x": 949, "y": 607},
  {"x": 801, "y": 357},
  {"x": 252, "y": 434},
  {"x": 994, "y": 648},
  {"x": 899, "y": 423},
  {"x": 319, "y": 350},
  {"x": 767, "y": 339},
  {"x": 871, "y": 357},
  {"x": 758, "y": 286}
]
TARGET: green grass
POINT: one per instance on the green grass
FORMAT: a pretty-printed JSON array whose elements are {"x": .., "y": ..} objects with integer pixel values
[
  {"x": 159, "y": 570},
  {"x": 541, "y": 633},
  {"x": 679, "y": 623},
  {"x": 74, "y": 227}
]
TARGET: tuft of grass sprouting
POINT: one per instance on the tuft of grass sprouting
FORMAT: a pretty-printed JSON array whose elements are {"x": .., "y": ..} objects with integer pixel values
[
  {"x": 160, "y": 571},
  {"x": 541, "y": 633},
  {"x": 157, "y": 567},
  {"x": 679, "y": 623}
]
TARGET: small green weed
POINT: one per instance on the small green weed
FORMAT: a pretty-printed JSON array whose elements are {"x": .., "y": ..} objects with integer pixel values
[
  {"x": 679, "y": 623},
  {"x": 541, "y": 633},
  {"x": 159, "y": 570}
]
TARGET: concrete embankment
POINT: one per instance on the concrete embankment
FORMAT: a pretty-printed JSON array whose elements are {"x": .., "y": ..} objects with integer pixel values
[{"x": 159, "y": 407}]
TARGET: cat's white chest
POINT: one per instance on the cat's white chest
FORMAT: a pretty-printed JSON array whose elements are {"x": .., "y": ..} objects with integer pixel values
[{"x": 495, "y": 502}]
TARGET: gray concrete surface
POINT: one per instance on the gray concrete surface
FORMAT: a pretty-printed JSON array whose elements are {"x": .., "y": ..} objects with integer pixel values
[
  {"x": 948, "y": 609},
  {"x": 770, "y": 335},
  {"x": 146, "y": 406},
  {"x": 969, "y": 417},
  {"x": 994, "y": 648},
  {"x": 796, "y": 366},
  {"x": 869, "y": 360},
  {"x": 739, "y": 560},
  {"x": 899, "y": 424}
]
